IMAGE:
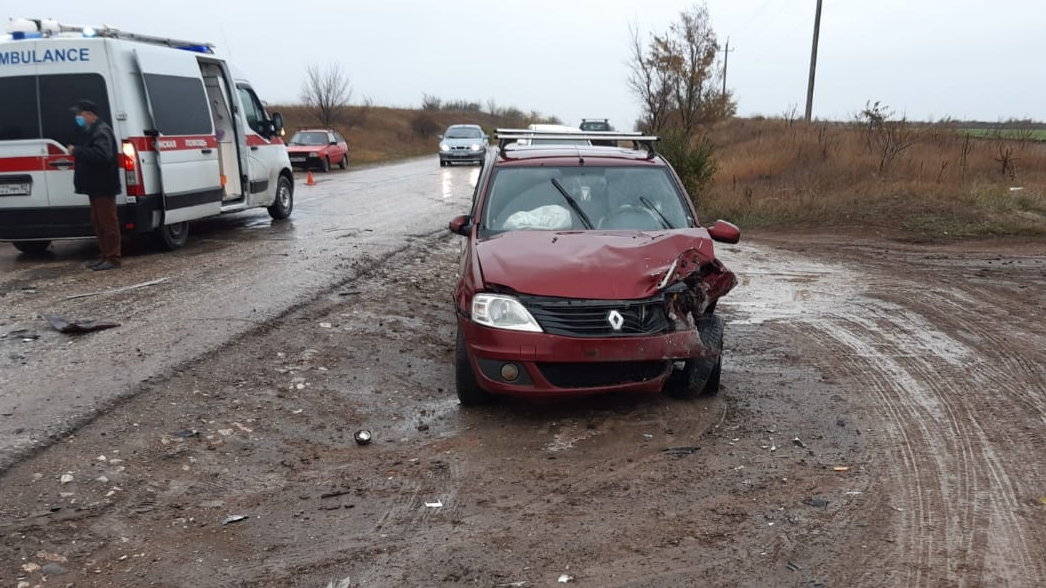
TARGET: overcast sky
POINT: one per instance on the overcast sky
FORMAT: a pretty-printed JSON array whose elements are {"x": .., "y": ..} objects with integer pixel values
[{"x": 928, "y": 59}]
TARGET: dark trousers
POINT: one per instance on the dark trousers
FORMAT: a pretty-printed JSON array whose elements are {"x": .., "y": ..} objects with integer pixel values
[{"x": 106, "y": 226}]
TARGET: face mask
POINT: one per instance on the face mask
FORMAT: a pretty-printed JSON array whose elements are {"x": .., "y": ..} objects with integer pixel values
[{"x": 80, "y": 121}]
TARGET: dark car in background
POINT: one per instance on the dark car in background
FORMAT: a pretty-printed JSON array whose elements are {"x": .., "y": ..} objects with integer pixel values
[
  {"x": 585, "y": 271},
  {"x": 318, "y": 149},
  {"x": 600, "y": 125},
  {"x": 467, "y": 143}
]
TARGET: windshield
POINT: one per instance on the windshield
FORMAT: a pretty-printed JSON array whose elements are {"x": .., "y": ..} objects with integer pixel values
[
  {"x": 463, "y": 133},
  {"x": 309, "y": 138},
  {"x": 577, "y": 198}
]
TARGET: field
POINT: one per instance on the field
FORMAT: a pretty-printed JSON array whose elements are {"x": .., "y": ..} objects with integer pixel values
[{"x": 920, "y": 182}]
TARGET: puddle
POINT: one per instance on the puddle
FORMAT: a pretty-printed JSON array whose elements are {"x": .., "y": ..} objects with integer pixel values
[{"x": 776, "y": 285}]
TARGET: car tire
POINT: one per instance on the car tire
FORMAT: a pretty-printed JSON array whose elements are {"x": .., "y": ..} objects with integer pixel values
[
  {"x": 325, "y": 165},
  {"x": 173, "y": 236},
  {"x": 32, "y": 247},
  {"x": 700, "y": 375},
  {"x": 442, "y": 163},
  {"x": 283, "y": 204},
  {"x": 344, "y": 163},
  {"x": 469, "y": 391}
]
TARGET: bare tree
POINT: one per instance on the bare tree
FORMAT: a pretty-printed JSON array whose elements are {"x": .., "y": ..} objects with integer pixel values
[
  {"x": 676, "y": 75},
  {"x": 649, "y": 84},
  {"x": 326, "y": 92}
]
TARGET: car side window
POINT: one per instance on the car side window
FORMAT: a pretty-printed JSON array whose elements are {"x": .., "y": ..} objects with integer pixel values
[
  {"x": 252, "y": 110},
  {"x": 338, "y": 137}
]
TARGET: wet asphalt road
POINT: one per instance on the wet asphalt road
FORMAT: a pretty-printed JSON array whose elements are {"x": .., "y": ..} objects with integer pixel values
[{"x": 235, "y": 274}]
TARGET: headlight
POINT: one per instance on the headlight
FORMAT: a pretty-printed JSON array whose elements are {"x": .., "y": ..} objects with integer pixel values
[
  {"x": 502, "y": 312},
  {"x": 314, "y": 155},
  {"x": 476, "y": 147},
  {"x": 444, "y": 147}
]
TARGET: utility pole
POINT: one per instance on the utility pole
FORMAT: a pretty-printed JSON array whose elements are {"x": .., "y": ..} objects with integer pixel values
[
  {"x": 726, "y": 56},
  {"x": 813, "y": 63}
]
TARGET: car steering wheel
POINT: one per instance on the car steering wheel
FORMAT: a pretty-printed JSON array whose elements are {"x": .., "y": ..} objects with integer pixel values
[{"x": 633, "y": 217}]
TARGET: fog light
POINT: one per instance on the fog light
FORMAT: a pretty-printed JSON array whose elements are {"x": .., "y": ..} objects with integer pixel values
[{"x": 510, "y": 372}]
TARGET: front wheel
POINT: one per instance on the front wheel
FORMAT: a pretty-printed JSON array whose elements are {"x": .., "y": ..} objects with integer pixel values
[
  {"x": 32, "y": 247},
  {"x": 284, "y": 203},
  {"x": 173, "y": 236},
  {"x": 700, "y": 375},
  {"x": 344, "y": 163},
  {"x": 469, "y": 392},
  {"x": 326, "y": 165}
]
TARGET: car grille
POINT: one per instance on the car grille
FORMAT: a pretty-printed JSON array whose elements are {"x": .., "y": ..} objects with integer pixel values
[
  {"x": 593, "y": 374},
  {"x": 591, "y": 318}
]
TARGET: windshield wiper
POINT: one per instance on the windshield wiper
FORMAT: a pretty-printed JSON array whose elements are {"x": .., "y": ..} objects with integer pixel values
[
  {"x": 660, "y": 215},
  {"x": 573, "y": 204}
]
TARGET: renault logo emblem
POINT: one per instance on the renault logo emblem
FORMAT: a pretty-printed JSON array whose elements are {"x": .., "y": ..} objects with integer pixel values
[{"x": 615, "y": 319}]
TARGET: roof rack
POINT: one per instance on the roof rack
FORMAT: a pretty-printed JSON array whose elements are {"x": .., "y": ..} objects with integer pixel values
[
  {"x": 639, "y": 140},
  {"x": 51, "y": 28}
]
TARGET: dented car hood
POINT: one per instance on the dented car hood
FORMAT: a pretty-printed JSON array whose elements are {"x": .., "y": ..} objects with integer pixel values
[{"x": 608, "y": 265}]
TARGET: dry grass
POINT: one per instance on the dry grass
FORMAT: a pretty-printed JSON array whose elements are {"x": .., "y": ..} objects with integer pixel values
[{"x": 942, "y": 183}]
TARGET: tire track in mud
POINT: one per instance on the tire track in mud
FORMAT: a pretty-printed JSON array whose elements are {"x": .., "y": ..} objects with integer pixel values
[{"x": 961, "y": 516}]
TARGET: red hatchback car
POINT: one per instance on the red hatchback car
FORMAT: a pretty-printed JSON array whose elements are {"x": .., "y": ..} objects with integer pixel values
[
  {"x": 585, "y": 271},
  {"x": 318, "y": 149}
]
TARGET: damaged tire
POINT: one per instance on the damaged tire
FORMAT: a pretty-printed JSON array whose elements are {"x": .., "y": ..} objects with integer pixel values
[
  {"x": 700, "y": 375},
  {"x": 469, "y": 392}
]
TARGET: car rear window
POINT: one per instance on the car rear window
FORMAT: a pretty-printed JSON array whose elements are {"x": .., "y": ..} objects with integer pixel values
[
  {"x": 309, "y": 138},
  {"x": 37, "y": 107},
  {"x": 612, "y": 198}
]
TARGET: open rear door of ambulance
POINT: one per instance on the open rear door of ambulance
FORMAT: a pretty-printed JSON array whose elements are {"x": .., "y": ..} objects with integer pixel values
[{"x": 182, "y": 132}]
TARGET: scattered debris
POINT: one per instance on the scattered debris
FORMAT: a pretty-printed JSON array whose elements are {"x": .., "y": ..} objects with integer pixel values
[
  {"x": 335, "y": 493},
  {"x": 1042, "y": 499},
  {"x": 512, "y": 584},
  {"x": 798, "y": 443},
  {"x": 362, "y": 437},
  {"x": 563, "y": 579},
  {"x": 185, "y": 434},
  {"x": 66, "y": 326},
  {"x": 437, "y": 504},
  {"x": 647, "y": 436},
  {"x": 234, "y": 519},
  {"x": 325, "y": 325},
  {"x": 115, "y": 290},
  {"x": 793, "y": 566},
  {"x": 342, "y": 583},
  {"x": 816, "y": 502},
  {"x": 31, "y": 568},
  {"x": 685, "y": 450},
  {"x": 65, "y": 479},
  {"x": 53, "y": 569},
  {"x": 841, "y": 469}
]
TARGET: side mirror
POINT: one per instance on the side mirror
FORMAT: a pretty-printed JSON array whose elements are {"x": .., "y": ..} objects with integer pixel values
[
  {"x": 277, "y": 123},
  {"x": 461, "y": 225},
  {"x": 724, "y": 232}
]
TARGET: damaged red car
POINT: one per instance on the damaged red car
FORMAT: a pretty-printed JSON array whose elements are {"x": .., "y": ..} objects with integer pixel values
[{"x": 585, "y": 271}]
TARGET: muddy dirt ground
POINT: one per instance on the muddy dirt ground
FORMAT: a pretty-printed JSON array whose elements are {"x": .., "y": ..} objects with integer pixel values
[{"x": 882, "y": 422}]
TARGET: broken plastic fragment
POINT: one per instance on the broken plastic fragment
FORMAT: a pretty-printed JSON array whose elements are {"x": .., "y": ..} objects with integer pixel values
[
  {"x": 437, "y": 504},
  {"x": 66, "y": 326},
  {"x": 362, "y": 437},
  {"x": 563, "y": 579},
  {"x": 841, "y": 469},
  {"x": 234, "y": 519}
]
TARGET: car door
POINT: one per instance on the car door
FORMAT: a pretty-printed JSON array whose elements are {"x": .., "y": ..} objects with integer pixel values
[
  {"x": 264, "y": 148},
  {"x": 183, "y": 132}
]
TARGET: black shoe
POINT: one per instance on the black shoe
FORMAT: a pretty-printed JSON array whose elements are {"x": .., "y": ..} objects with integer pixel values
[
  {"x": 105, "y": 265},
  {"x": 94, "y": 263}
]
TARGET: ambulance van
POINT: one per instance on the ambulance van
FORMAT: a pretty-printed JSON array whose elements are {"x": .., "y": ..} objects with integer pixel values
[{"x": 193, "y": 139}]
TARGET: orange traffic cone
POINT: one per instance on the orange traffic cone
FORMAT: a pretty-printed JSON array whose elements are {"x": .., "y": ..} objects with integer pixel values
[{"x": 309, "y": 181}]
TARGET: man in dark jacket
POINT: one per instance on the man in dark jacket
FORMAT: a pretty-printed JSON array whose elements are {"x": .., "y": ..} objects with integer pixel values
[{"x": 97, "y": 174}]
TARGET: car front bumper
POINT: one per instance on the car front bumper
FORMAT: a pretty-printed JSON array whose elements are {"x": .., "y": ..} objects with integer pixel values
[
  {"x": 453, "y": 155},
  {"x": 552, "y": 366}
]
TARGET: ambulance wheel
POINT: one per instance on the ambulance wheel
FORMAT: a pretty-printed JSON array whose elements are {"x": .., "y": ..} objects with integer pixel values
[
  {"x": 344, "y": 162},
  {"x": 173, "y": 236},
  {"x": 32, "y": 247},
  {"x": 326, "y": 164},
  {"x": 283, "y": 205}
]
